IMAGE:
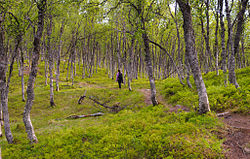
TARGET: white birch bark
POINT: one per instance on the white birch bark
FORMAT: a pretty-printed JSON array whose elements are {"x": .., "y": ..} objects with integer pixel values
[
  {"x": 32, "y": 76},
  {"x": 192, "y": 56}
]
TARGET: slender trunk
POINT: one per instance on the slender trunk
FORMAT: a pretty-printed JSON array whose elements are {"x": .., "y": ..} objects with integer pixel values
[
  {"x": 118, "y": 50},
  {"x": 223, "y": 47},
  {"x": 59, "y": 57},
  {"x": 22, "y": 77},
  {"x": 45, "y": 69},
  {"x": 72, "y": 66},
  {"x": 216, "y": 50},
  {"x": 129, "y": 68},
  {"x": 206, "y": 58},
  {"x": 208, "y": 35},
  {"x": 231, "y": 66},
  {"x": 4, "y": 84},
  {"x": 50, "y": 58},
  {"x": 32, "y": 76},
  {"x": 192, "y": 56},
  {"x": 149, "y": 66},
  {"x": 83, "y": 56},
  {"x": 237, "y": 37},
  {"x": 67, "y": 76},
  {"x": 111, "y": 58},
  {"x": 124, "y": 57}
]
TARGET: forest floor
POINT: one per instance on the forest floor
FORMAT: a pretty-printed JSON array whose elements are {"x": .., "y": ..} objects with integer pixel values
[
  {"x": 236, "y": 133},
  {"x": 140, "y": 130}
]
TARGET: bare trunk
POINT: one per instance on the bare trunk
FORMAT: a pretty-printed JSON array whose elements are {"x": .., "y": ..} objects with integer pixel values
[
  {"x": 129, "y": 68},
  {"x": 233, "y": 46},
  {"x": 83, "y": 56},
  {"x": 50, "y": 58},
  {"x": 45, "y": 69},
  {"x": 32, "y": 76},
  {"x": 59, "y": 57},
  {"x": 118, "y": 50},
  {"x": 67, "y": 76},
  {"x": 72, "y": 66},
  {"x": 22, "y": 77},
  {"x": 208, "y": 35},
  {"x": 192, "y": 56},
  {"x": 3, "y": 84},
  {"x": 149, "y": 68},
  {"x": 223, "y": 47},
  {"x": 237, "y": 37},
  {"x": 216, "y": 50}
]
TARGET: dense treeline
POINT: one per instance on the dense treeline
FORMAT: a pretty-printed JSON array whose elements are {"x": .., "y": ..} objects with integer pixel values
[{"x": 156, "y": 39}]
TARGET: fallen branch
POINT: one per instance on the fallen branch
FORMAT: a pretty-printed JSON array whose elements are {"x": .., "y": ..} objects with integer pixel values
[
  {"x": 82, "y": 97},
  {"x": 84, "y": 116},
  {"x": 115, "y": 108}
]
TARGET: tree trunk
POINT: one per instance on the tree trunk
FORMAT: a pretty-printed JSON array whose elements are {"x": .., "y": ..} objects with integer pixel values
[
  {"x": 3, "y": 84},
  {"x": 22, "y": 77},
  {"x": 83, "y": 55},
  {"x": 216, "y": 51},
  {"x": 33, "y": 73},
  {"x": 45, "y": 69},
  {"x": 129, "y": 68},
  {"x": 237, "y": 37},
  {"x": 222, "y": 34},
  {"x": 149, "y": 66},
  {"x": 208, "y": 34},
  {"x": 231, "y": 66},
  {"x": 192, "y": 56},
  {"x": 50, "y": 58},
  {"x": 59, "y": 57}
]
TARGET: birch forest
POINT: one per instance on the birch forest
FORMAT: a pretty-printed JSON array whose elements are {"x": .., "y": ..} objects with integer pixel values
[{"x": 124, "y": 79}]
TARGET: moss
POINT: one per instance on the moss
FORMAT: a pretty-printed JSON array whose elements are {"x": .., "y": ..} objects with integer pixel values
[{"x": 221, "y": 98}]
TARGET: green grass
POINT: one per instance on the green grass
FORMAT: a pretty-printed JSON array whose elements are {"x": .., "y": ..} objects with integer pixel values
[
  {"x": 221, "y": 98},
  {"x": 139, "y": 131}
]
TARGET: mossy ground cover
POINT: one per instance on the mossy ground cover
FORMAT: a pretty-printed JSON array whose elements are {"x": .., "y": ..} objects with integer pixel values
[
  {"x": 221, "y": 98},
  {"x": 139, "y": 131}
]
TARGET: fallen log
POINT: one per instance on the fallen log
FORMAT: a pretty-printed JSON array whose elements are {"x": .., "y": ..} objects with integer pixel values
[
  {"x": 115, "y": 108},
  {"x": 84, "y": 116}
]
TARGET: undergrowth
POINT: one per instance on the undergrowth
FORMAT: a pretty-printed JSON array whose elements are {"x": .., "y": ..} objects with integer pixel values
[
  {"x": 138, "y": 131},
  {"x": 152, "y": 132},
  {"x": 221, "y": 97}
]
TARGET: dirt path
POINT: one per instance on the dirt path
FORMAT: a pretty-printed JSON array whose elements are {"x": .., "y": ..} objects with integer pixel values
[
  {"x": 237, "y": 134},
  {"x": 237, "y": 143}
]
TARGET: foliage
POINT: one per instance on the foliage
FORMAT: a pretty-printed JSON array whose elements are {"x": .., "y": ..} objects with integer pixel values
[
  {"x": 149, "y": 133},
  {"x": 220, "y": 97},
  {"x": 136, "y": 132}
]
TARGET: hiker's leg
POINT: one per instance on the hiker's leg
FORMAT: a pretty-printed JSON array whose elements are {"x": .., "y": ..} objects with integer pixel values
[{"x": 119, "y": 84}]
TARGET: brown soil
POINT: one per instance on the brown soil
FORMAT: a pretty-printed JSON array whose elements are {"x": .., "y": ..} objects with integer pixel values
[
  {"x": 237, "y": 143},
  {"x": 237, "y": 133}
]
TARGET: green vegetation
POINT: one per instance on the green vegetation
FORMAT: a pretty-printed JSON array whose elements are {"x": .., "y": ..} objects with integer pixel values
[
  {"x": 221, "y": 98},
  {"x": 139, "y": 131}
]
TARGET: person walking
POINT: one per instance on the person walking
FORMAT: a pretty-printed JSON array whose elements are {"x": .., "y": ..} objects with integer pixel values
[{"x": 119, "y": 78}]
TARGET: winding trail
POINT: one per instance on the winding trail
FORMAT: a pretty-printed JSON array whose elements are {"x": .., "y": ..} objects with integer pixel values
[{"x": 236, "y": 134}]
